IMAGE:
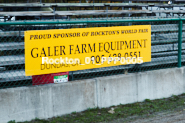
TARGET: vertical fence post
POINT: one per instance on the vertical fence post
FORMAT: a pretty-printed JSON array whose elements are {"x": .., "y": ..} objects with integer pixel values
[{"x": 179, "y": 43}]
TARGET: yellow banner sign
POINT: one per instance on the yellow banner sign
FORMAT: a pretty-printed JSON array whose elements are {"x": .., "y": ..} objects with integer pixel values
[{"x": 52, "y": 51}]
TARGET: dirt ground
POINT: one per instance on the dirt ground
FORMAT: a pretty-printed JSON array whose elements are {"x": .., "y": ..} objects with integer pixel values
[{"x": 165, "y": 117}]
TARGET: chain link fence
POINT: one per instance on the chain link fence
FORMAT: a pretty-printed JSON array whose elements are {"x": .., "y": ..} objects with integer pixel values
[{"x": 166, "y": 42}]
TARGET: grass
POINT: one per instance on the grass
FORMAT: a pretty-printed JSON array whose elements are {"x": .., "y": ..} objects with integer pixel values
[{"x": 148, "y": 108}]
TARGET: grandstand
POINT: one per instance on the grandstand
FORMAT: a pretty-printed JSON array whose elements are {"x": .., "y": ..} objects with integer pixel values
[
  {"x": 65, "y": 9},
  {"x": 164, "y": 40}
]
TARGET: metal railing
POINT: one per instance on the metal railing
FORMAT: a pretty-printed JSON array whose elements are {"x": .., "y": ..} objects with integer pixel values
[{"x": 167, "y": 39}]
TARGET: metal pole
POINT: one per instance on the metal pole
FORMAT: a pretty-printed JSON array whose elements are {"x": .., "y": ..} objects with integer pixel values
[
  {"x": 180, "y": 43},
  {"x": 107, "y": 10},
  {"x": 72, "y": 78}
]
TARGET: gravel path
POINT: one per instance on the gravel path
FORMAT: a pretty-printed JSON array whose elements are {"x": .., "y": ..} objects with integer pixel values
[
  {"x": 167, "y": 117},
  {"x": 178, "y": 117}
]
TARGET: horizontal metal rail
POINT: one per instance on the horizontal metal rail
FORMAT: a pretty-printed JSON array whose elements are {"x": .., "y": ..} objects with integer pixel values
[
  {"x": 87, "y": 21},
  {"x": 29, "y": 5}
]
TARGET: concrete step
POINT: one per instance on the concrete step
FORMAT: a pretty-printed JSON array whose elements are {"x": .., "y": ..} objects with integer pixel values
[
  {"x": 11, "y": 46},
  {"x": 12, "y": 60},
  {"x": 16, "y": 75}
]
